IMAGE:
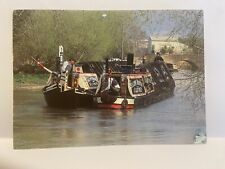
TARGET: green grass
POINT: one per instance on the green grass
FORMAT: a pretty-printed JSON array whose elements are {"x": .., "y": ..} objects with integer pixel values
[{"x": 22, "y": 79}]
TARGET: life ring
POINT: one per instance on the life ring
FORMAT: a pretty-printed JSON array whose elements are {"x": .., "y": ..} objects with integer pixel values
[{"x": 124, "y": 104}]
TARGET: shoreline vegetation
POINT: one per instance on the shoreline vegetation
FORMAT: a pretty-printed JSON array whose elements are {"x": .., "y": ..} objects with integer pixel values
[{"x": 29, "y": 81}]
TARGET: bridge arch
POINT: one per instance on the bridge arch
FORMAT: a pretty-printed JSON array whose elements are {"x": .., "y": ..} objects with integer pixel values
[{"x": 187, "y": 64}]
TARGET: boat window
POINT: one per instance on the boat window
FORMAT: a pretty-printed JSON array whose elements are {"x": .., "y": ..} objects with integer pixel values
[
  {"x": 92, "y": 81},
  {"x": 149, "y": 83},
  {"x": 164, "y": 72},
  {"x": 157, "y": 72},
  {"x": 148, "y": 79},
  {"x": 137, "y": 86}
]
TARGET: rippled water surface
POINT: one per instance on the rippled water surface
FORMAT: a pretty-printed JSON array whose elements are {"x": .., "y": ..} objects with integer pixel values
[{"x": 171, "y": 121}]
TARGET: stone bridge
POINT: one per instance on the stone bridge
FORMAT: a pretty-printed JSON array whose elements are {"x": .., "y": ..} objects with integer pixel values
[{"x": 191, "y": 61}]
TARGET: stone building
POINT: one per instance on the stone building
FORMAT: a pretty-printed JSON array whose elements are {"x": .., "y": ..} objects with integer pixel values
[
  {"x": 168, "y": 45},
  {"x": 164, "y": 45}
]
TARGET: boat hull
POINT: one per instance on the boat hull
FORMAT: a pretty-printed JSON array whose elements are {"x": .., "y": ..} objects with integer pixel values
[
  {"x": 66, "y": 99},
  {"x": 132, "y": 103},
  {"x": 120, "y": 103},
  {"x": 149, "y": 99}
]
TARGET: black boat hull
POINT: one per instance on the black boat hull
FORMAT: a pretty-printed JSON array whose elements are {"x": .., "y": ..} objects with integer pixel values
[
  {"x": 132, "y": 103},
  {"x": 152, "y": 98},
  {"x": 67, "y": 99}
]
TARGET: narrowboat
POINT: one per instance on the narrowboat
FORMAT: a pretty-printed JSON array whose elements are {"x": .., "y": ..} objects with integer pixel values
[
  {"x": 134, "y": 86},
  {"x": 61, "y": 94},
  {"x": 69, "y": 86}
]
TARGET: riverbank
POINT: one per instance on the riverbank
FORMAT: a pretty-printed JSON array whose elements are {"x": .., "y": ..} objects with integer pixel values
[{"x": 29, "y": 81}]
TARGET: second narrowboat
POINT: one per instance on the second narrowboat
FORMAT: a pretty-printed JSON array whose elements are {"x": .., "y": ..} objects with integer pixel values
[{"x": 133, "y": 87}]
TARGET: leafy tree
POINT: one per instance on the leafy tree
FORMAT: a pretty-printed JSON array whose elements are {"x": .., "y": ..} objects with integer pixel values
[{"x": 85, "y": 35}]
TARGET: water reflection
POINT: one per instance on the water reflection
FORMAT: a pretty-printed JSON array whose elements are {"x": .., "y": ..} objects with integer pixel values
[
  {"x": 38, "y": 126},
  {"x": 62, "y": 115},
  {"x": 114, "y": 113}
]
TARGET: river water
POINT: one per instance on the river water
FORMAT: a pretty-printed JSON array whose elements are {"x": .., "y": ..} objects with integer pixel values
[{"x": 171, "y": 121}]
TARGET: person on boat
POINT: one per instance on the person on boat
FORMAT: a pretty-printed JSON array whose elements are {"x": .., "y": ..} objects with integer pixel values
[
  {"x": 112, "y": 86},
  {"x": 69, "y": 66},
  {"x": 143, "y": 59},
  {"x": 110, "y": 89},
  {"x": 69, "y": 71},
  {"x": 115, "y": 87},
  {"x": 158, "y": 57}
]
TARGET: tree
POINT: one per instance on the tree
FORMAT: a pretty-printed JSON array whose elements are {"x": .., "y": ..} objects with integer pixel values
[{"x": 85, "y": 35}]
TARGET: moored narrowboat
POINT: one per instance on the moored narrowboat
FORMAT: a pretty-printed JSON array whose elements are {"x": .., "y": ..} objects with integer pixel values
[
  {"x": 134, "y": 87},
  {"x": 60, "y": 94},
  {"x": 69, "y": 86}
]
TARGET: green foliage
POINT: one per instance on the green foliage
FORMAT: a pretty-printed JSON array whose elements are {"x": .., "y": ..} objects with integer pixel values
[
  {"x": 90, "y": 36},
  {"x": 85, "y": 35},
  {"x": 193, "y": 43},
  {"x": 166, "y": 49},
  {"x": 163, "y": 50},
  {"x": 22, "y": 79}
]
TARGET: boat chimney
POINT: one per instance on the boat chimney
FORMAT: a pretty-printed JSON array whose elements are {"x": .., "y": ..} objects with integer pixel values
[
  {"x": 106, "y": 65},
  {"x": 130, "y": 59}
]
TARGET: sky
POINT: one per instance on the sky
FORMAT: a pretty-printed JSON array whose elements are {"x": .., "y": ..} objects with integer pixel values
[{"x": 163, "y": 22}]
